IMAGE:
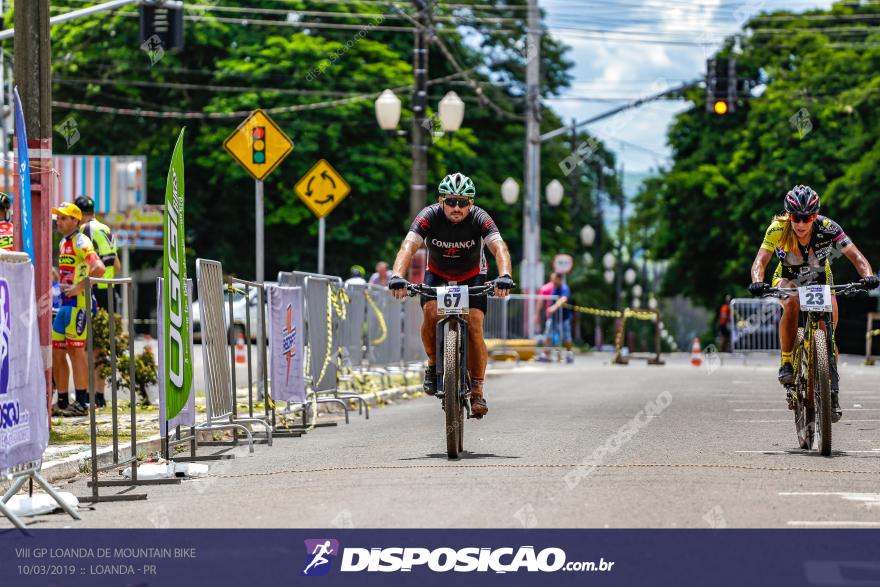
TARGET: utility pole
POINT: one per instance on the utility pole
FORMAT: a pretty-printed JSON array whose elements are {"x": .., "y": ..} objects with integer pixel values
[
  {"x": 33, "y": 64},
  {"x": 531, "y": 218},
  {"x": 621, "y": 202},
  {"x": 418, "y": 184}
]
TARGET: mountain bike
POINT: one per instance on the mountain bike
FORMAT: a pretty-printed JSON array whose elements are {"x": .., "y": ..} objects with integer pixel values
[
  {"x": 813, "y": 361},
  {"x": 453, "y": 383}
]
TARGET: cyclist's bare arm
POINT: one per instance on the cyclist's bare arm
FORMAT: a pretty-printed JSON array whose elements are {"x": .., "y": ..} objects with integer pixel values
[
  {"x": 759, "y": 265},
  {"x": 408, "y": 248},
  {"x": 502, "y": 258},
  {"x": 858, "y": 260}
]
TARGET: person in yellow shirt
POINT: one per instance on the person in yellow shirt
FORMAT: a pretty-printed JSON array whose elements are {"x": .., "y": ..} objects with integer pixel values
[{"x": 76, "y": 261}]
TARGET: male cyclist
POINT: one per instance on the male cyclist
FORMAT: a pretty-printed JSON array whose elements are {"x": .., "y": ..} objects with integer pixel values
[
  {"x": 455, "y": 231},
  {"x": 805, "y": 244}
]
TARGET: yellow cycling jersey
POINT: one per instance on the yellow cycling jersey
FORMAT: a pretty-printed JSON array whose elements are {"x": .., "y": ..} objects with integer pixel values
[{"x": 810, "y": 263}]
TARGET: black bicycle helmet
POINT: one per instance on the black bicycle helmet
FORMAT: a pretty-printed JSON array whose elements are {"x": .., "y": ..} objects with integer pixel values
[
  {"x": 802, "y": 199},
  {"x": 5, "y": 201}
]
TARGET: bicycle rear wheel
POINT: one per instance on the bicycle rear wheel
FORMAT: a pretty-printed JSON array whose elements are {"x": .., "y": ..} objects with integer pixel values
[
  {"x": 822, "y": 392},
  {"x": 451, "y": 401}
]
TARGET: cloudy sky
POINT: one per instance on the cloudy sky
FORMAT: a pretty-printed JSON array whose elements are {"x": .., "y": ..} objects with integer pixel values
[{"x": 626, "y": 49}]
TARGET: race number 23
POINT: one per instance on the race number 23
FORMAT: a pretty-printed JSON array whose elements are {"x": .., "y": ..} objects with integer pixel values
[{"x": 815, "y": 298}]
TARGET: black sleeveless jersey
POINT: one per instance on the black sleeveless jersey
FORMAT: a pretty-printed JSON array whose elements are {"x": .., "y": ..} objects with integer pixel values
[{"x": 455, "y": 251}]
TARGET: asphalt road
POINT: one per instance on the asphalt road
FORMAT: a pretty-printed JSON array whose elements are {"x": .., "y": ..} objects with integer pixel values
[{"x": 583, "y": 445}]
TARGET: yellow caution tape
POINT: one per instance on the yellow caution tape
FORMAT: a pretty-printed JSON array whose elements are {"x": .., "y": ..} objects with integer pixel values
[
  {"x": 379, "y": 317},
  {"x": 594, "y": 311},
  {"x": 333, "y": 304},
  {"x": 627, "y": 313}
]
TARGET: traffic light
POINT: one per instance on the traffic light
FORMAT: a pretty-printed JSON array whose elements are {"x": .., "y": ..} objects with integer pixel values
[
  {"x": 721, "y": 84},
  {"x": 258, "y": 144}
]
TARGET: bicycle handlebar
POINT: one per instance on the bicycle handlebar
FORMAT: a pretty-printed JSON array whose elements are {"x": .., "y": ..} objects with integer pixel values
[
  {"x": 842, "y": 290},
  {"x": 486, "y": 289}
]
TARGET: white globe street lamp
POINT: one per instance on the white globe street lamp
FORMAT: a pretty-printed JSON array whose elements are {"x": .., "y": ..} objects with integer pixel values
[
  {"x": 509, "y": 191},
  {"x": 588, "y": 235},
  {"x": 609, "y": 276},
  {"x": 652, "y": 303},
  {"x": 451, "y": 112},
  {"x": 588, "y": 260},
  {"x": 637, "y": 290},
  {"x": 608, "y": 261},
  {"x": 554, "y": 192},
  {"x": 387, "y": 110},
  {"x": 637, "y": 303},
  {"x": 630, "y": 276}
]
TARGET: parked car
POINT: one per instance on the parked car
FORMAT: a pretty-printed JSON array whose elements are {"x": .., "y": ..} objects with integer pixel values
[{"x": 240, "y": 309}]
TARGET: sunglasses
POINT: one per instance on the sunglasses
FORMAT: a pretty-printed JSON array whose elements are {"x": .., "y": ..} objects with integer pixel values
[
  {"x": 457, "y": 202},
  {"x": 802, "y": 218}
]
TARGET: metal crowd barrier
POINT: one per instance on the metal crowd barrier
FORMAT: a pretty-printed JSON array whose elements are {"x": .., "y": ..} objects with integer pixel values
[
  {"x": 219, "y": 392},
  {"x": 262, "y": 363},
  {"x": 516, "y": 316},
  {"x": 132, "y": 460},
  {"x": 322, "y": 323},
  {"x": 28, "y": 471},
  {"x": 176, "y": 437},
  {"x": 652, "y": 358},
  {"x": 754, "y": 324}
]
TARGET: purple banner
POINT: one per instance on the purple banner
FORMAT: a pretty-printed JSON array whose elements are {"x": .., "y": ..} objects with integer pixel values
[{"x": 461, "y": 557}]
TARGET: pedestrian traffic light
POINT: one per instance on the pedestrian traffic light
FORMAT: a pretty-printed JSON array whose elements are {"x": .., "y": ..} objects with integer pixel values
[
  {"x": 721, "y": 86},
  {"x": 258, "y": 144}
]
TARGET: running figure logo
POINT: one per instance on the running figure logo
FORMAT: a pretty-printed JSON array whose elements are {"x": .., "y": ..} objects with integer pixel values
[
  {"x": 288, "y": 340},
  {"x": 319, "y": 549}
]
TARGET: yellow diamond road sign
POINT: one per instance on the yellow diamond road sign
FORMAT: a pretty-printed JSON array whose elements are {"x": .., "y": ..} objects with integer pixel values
[
  {"x": 322, "y": 188},
  {"x": 258, "y": 144}
]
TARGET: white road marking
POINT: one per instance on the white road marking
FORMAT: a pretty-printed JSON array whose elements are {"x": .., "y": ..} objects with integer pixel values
[
  {"x": 875, "y": 451},
  {"x": 834, "y": 524},
  {"x": 789, "y": 420},
  {"x": 786, "y": 409}
]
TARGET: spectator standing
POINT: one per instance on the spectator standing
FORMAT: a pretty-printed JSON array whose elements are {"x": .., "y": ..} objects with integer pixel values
[
  {"x": 724, "y": 326},
  {"x": 382, "y": 274},
  {"x": 77, "y": 260},
  {"x": 357, "y": 276},
  {"x": 105, "y": 245}
]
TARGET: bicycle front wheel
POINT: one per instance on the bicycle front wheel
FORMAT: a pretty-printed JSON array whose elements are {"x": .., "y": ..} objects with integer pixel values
[
  {"x": 451, "y": 392},
  {"x": 805, "y": 409},
  {"x": 822, "y": 392}
]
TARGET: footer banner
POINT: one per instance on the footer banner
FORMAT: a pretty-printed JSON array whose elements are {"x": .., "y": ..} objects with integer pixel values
[{"x": 441, "y": 557}]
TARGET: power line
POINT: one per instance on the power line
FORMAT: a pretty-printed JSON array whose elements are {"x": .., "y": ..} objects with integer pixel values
[{"x": 235, "y": 114}]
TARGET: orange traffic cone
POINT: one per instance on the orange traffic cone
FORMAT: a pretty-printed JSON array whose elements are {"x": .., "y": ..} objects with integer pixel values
[
  {"x": 696, "y": 358},
  {"x": 240, "y": 354}
]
